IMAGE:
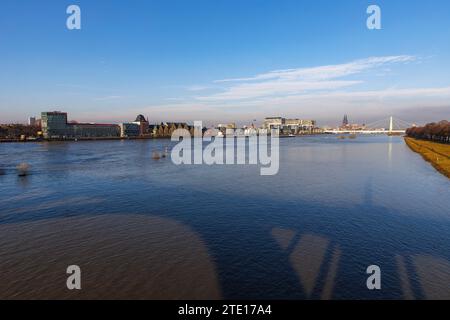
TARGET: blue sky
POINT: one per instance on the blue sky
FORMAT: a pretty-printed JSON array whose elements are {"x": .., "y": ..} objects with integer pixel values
[{"x": 225, "y": 60}]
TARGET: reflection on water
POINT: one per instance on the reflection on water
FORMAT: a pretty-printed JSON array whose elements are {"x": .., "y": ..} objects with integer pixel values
[{"x": 141, "y": 228}]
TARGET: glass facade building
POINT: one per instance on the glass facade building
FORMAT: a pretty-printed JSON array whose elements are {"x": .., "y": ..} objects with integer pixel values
[{"x": 55, "y": 126}]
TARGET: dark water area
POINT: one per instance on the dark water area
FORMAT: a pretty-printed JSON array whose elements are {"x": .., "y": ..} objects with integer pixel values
[{"x": 148, "y": 229}]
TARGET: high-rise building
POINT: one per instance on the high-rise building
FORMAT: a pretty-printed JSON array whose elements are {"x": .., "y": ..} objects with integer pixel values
[{"x": 32, "y": 121}]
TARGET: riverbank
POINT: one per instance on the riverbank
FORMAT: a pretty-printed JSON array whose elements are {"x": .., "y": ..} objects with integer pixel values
[
  {"x": 437, "y": 154},
  {"x": 123, "y": 138},
  {"x": 80, "y": 139}
]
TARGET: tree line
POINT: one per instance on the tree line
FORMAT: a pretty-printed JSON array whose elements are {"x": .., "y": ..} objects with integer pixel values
[
  {"x": 15, "y": 131},
  {"x": 439, "y": 132}
]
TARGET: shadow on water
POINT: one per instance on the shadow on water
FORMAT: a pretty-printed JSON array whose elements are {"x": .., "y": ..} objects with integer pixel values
[
  {"x": 310, "y": 258},
  {"x": 330, "y": 262}
]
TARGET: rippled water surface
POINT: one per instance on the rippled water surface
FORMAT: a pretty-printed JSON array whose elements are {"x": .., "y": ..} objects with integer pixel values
[{"x": 141, "y": 228}]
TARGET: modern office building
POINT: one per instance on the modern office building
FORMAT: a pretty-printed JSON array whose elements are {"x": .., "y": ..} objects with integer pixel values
[
  {"x": 55, "y": 126},
  {"x": 131, "y": 129},
  {"x": 289, "y": 126},
  {"x": 274, "y": 123},
  {"x": 298, "y": 125},
  {"x": 94, "y": 130}
]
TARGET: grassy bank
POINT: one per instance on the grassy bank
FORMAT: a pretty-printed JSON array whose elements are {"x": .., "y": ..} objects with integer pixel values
[{"x": 437, "y": 154}]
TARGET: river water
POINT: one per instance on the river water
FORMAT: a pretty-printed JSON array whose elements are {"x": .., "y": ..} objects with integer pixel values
[{"x": 148, "y": 229}]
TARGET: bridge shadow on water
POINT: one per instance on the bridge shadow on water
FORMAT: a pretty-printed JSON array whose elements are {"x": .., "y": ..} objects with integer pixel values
[
  {"x": 284, "y": 252},
  {"x": 322, "y": 258}
]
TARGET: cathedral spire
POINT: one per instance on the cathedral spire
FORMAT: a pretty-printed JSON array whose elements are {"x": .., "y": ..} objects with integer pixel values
[{"x": 345, "y": 121}]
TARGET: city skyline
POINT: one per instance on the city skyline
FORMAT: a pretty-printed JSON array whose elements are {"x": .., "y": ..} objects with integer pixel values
[{"x": 231, "y": 61}]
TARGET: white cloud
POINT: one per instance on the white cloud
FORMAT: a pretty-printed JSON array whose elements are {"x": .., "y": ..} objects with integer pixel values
[
  {"x": 324, "y": 93},
  {"x": 326, "y": 72},
  {"x": 302, "y": 80},
  {"x": 272, "y": 88},
  {"x": 108, "y": 98},
  {"x": 197, "y": 88}
]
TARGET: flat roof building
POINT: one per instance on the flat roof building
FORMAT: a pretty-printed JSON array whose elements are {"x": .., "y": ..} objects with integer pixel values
[{"x": 55, "y": 126}]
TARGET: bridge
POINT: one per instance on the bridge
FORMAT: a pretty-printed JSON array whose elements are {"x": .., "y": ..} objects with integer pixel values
[{"x": 389, "y": 126}]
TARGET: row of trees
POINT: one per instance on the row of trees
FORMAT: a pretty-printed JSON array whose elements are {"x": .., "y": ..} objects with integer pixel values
[
  {"x": 15, "y": 131},
  {"x": 433, "y": 131}
]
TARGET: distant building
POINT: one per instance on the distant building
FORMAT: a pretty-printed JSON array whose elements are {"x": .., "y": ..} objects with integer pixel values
[
  {"x": 144, "y": 126},
  {"x": 273, "y": 123},
  {"x": 345, "y": 121},
  {"x": 226, "y": 126},
  {"x": 94, "y": 130},
  {"x": 32, "y": 121},
  {"x": 346, "y": 125},
  {"x": 128, "y": 130},
  {"x": 228, "y": 129},
  {"x": 55, "y": 126},
  {"x": 250, "y": 131},
  {"x": 165, "y": 129},
  {"x": 213, "y": 132},
  {"x": 296, "y": 126},
  {"x": 289, "y": 126}
]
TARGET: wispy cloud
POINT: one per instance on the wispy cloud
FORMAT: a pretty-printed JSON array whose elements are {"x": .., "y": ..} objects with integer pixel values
[
  {"x": 327, "y": 72},
  {"x": 197, "y": 88},
  {"x": 324, "y": 93},
  {"x": 273, "y": 88},
  {"x": 108, "y": 98},
  {"x": 301, "y": 80}
]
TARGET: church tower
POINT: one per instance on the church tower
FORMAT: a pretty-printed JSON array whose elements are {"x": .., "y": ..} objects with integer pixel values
[{"x": 345, "y": 121}]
